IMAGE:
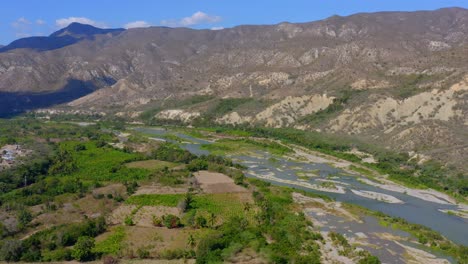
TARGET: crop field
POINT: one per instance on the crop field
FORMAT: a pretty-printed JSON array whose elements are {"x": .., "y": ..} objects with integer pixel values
[
  {"x": 155, "y": 199},
  {"x": 112, "y": 244},
  {"x": 152, "y": 165},
  {"x": 102, "y": 163},
  {"x": 223, "y": 205}
]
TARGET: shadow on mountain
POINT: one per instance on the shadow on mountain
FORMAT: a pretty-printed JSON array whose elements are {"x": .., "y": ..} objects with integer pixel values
[
  {"x": 70, "y": 35},
  {"x": 41, "y": 43},
  {"x": 12, "y": 104}
]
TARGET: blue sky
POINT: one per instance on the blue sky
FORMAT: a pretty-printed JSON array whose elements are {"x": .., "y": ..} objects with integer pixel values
[{"x": 21, "y": 18}]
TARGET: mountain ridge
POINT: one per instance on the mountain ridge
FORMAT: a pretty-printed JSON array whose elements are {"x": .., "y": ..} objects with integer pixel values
[
  {"x": 311, "y": 76},
  {"x": 73, "y": 33}
]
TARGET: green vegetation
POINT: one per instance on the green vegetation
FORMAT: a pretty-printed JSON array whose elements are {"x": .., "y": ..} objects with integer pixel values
[
  {"x": 330, "y": 185},
  {"x": 175, "y": 138},
  {"x": 153, "y": 165},
  {"x": 265, "y": 221},
  {"x": 82, "y": 250},
  {"x": 232, "y": 146},
  {"x": 171, "y": 177},
  {"x": 362, "y": 171},
  {"x": 293, "y": 242},
  {"x": 223, "y": 205},
  {"x": 172, "y": 153},
  {"x": 52, "y": 243},
  {"x": 225, "y": 106},
  {"x": 338, "y": 105},
  {"x": 155, "y": 199},
  {"x": 171, "y": 221},
  {"x": 112, "y": 244},
  {"x": 409, "y": 84},
  {"x": 100, "y": 163}
]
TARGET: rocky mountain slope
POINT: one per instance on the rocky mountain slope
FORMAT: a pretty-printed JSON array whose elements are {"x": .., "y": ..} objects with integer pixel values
[{"x": 395, "y": 77}]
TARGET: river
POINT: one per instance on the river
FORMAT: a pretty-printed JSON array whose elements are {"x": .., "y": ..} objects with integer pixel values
[{"x": 287, "y": 172}]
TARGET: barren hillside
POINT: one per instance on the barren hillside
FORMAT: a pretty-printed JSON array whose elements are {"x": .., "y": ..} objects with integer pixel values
[{"x": 397, "y": 78}]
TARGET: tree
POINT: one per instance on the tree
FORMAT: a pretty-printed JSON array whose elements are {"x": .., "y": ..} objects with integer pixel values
[
  {"x": 247, "y": 207},
  {"x": 157, "y": 221},
  {"x": 3, "y": 230},
  {"x": 171, "y": 221},
  {"x": 200, "y": 221},
  {"x": 369, "y": 259},
  {"x": 82, "y": 251},
  {"x": 188, "y": 199},
  {"x": 63, "y": 163},
  {"x": 212, "y": 219},
  {"x": 191, "y": 241},
  {"x": 11, "y": 250},
  {"x": 197, "y": 165},
  {"x": 24, "y": 217}
]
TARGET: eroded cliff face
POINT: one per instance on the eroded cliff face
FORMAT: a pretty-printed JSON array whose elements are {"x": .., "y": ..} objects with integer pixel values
[
  {"x": 284, "y": 113},
  {"x": 388, "y": 113}
]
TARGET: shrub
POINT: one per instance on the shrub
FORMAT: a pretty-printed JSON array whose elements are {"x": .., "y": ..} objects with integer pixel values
[
  {"x": 11, "y": 250},
  {"x": 24, "y": 217},
  {"x": 131, "y": 187},
  {"x": 155, "y": 199},
  {"x": 113, "y": 244},
  {"x": 80, "y": 147},
  {"x": 369, "y": 259},
  {"x": 143, "y": 253},
  {"x": 197, "y": 165},
  {"x": 63, "y": 254},
  {"x": 129, "y": 221},
  {"x": 157, "y": 221},
  {"x": 176, "y": 254},
  {"x": 201, "y": 222},
  {"x": 171, "y": 221},
  {"x": 118, "y": 198},
  {"x": 82, "y": 251}
]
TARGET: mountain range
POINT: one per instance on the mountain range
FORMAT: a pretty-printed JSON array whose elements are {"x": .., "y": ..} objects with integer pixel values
[{"x": 399, "y": 79}]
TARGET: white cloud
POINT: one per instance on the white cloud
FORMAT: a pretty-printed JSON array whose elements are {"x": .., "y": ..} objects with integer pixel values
[
  {"x": 137, "y": 24},
  {"x": 22, "y": 27},
  {"x": 217, "y": 28},
  {"x": 195, "y": 19},
  {"x": 21, "y": 23},
  {"x": 63, "y": 22},
  {"x": 40, "y": 22}
]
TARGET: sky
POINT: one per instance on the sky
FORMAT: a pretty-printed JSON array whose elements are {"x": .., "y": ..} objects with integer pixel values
[{"x": 23, "y": 18}]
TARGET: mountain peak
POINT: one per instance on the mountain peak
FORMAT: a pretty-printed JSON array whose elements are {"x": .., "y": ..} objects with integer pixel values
[{"x": 76, "y": 29}]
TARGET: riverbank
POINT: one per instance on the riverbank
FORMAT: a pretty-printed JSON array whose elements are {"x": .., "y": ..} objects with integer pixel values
[
  {"x": 304, "y": 154},
  {"x": 377, "y": 196}
]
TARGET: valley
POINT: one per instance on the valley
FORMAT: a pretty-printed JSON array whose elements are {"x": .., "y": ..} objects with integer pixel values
[
  {"x": 343, "y": 75},
  {"x": 335, "y": 178},
  {"x": 201, "y": 140},
  {"x": 121, "y": 184}
]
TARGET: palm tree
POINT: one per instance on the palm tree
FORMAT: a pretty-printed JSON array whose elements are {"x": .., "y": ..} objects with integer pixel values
[
  {"x": 191, "y": 241},
  {"x": 247, "y": 207},
  {"x": 212, "y": 219}
]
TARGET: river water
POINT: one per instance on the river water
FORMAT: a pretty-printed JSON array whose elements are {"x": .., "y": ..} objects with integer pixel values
[{"x": 415, "y": 210}]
